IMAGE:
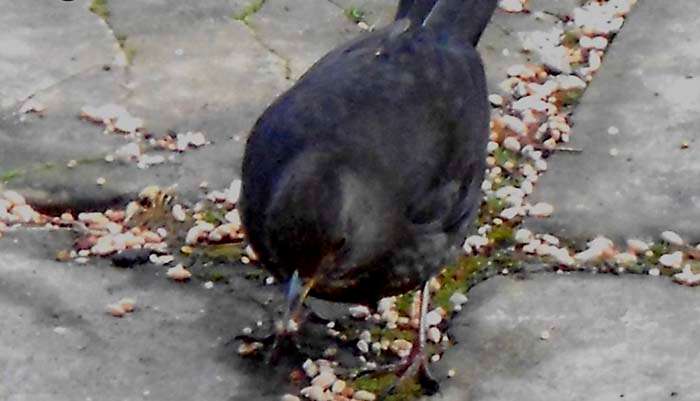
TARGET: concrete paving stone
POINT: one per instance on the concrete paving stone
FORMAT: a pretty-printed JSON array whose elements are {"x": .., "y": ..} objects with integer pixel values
[
  {"x": 302, "y": 31},
  {"x": 610, "y": 338},
  {"x": 166, "y": 87},
  {"x": 649, "y": 89},
  {"x": 58, "y": 342},
  {"x": 38, "y": 147},
  {"x": 501, "y": 45},
  {"x": 561, "y": 8},
  {"x": 376, "y": 13},
  {"x": 157, "y": 17},
  {"x": 46, "y": 41},
  {"x": 214, "y": 77}
]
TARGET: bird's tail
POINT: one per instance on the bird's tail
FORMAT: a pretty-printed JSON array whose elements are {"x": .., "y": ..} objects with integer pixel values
[{"x": 465, "y": 18}]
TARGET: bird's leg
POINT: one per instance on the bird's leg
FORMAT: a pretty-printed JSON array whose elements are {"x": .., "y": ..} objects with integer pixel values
[
  {"x": 287, "y": 327},
  {"x": 415, "y": 365}
]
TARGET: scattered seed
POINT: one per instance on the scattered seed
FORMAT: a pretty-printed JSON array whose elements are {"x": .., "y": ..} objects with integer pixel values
[
  {"x": 672, "y": 238},
  {"x": 179, "y": 273},
  {"x": 363, "y": 395}
]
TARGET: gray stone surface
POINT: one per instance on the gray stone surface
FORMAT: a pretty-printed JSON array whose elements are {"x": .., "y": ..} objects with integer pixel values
[
  {"x": 58, "y": 343},
  {"x": 195, "y": 67},
  {"x": 192, "y": 67},
  {"x": 611, "y": 338},
  {"x": 301, "y": 31},
  {"x": 44, "y": 42},
  {"x": 174, "y": 82},
  {"x": 649, "y": 88},
  {"x": 376, "y": 12},
  {"x": 157, "y": 17}
]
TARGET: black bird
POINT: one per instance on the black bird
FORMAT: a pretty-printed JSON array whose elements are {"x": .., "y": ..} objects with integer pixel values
[{"x": 364, "y": 178}]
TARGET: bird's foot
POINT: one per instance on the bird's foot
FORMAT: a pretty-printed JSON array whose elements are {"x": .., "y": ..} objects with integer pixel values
[
  {"x": 415, "y": 366},
  {"x": 412, "y": 369},
  {"x": 270, "y": 347}
]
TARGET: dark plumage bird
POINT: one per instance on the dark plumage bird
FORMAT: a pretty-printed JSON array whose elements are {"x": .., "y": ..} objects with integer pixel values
[{"x": 365, "y": 176}]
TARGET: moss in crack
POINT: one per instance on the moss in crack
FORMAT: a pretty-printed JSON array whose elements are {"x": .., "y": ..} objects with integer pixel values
[
  {"x": 569, "y": 97},
  {"x": 249, "y": 10},
  {"x": 404, "y": 303},
  {"x": 129, "y": 51},
  {"x": 458, "y": 277},
  {"x": 502, "y": 235},
  {"x": 10, "y": 175},
  {"x": 99, "y": 7},
  {"x": 355, "y": 14},
  {"x": 570, "y": 39},
  {"x": 405, "y": 390}
]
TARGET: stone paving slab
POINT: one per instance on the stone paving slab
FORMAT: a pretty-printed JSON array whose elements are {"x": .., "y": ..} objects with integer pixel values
[
  {"x": 610, "y": 338},
  {"x": 649, "y": 89},
  {"x": 58, "y": 343},
  {"x": 375, "y": 13},
  {"x": 35, "y": 57},
  {"x": 157, "y": 17},
  {"x": 165, "y": 86},
  {"x": 303, "y": 31}
]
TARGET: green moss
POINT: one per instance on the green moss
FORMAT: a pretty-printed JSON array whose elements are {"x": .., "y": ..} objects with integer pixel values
[
  {"x": 695, "y": 267},
  {"x": 404, "y": 303},
  {"x": 406, "y": 390},
  {"x": 505, "y": 260},
  {"x": 249, "y": 10},
  {"x": 570, "y": 97},
  {"x": 373, "y": 383},
  {"x": 214, "y": 216},
  {"x": 99, "y": 7},
  {"x": 225, "y": 253},
  {"x": 570, "y": 39},
  {"x": 638, "y": 268},
  {"x": 256, "y": 275},
  {"x": 657, "y": 249},
  {"x": 10, "y": 175},
  {"x": 129, "y": 53},
  {"x": 493, "y": 206},
  {"x": 502, "y": 234},
  {"x": 458, "y": 278},
  {"x": 503, "y": 155},
  {"x": 355, "y": 14},
  {"x": 443, "y": 295},
  {"x": 393, "y": 334},
  {"x": 121, "y": 39},
  {"x": 216, "y": 276}
]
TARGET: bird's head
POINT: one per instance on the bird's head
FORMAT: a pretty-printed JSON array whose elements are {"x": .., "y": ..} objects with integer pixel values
[{"x": 328, "y": 218}]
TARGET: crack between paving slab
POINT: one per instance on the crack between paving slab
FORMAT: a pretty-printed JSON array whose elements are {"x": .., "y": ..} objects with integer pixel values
[
  {"x": 336, "y": 4},
  {"x": 250, "y": 10},
  {"x": 127, "y": 53},
  {"x": 57, "y": 83},
  {"x": 286, "y": 63}
]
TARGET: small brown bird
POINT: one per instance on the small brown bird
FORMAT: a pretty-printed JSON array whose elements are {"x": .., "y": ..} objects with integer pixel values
[{"x": 364, "y": 178}]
